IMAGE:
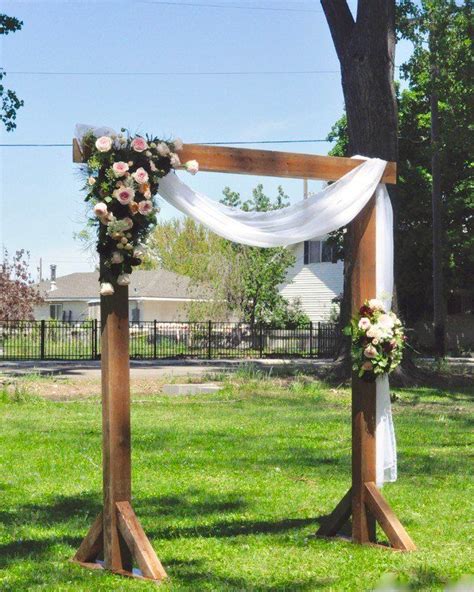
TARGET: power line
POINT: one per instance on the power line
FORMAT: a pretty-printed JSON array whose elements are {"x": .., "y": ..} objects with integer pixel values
[
  {"x": 217, "y": 73},
  {"x": 69, "y": 145},
  {"x": 235, "y": 6}
]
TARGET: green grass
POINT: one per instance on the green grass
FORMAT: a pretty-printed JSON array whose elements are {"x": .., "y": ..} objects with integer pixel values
[{"x": 230, "y": 489}]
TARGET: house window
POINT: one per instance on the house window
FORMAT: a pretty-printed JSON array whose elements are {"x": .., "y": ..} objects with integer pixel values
[
  {"x": 56, "y": 311},
  {"x": 135, "y": 315},
  {"x": 318, "y": 252}
]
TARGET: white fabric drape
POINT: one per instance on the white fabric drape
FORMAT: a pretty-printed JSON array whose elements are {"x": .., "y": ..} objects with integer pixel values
[{"x": 335, "y": 206}]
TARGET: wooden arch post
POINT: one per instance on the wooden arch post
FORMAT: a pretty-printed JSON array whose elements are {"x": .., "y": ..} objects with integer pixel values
[{"x": 116, "y": 538}]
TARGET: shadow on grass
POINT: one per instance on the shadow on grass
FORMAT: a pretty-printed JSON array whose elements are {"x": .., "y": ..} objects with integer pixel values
[{"x": 195, "y": 574}]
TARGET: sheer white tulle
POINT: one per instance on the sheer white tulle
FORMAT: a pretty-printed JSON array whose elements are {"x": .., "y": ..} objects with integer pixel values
[{"x": 335, "y": 206}]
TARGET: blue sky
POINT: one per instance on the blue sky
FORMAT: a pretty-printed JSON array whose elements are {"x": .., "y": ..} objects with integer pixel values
[{"x": 41, "y": 203}]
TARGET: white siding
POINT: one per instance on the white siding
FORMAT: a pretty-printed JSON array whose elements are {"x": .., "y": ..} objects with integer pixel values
[
  {"x": 79, "y": 310},
  {"x": 315, "y": 284}
]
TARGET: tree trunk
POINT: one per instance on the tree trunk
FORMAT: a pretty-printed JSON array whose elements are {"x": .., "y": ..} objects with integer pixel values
[{"x": 365, "y": 47}]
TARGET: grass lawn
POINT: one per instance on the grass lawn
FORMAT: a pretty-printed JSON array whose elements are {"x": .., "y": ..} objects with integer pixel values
[{"x": 231, "y": 487}]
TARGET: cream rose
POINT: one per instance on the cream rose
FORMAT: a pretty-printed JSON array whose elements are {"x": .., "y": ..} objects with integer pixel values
[
  {"x": 100, "y": 210},
  {"x": 103, "y": 144},
  {"x": 364, "y": 324},
  {"x": 192, "y": 166},
  {"x": 163, "y": 149},
  {"x": 106, "y": 289}
]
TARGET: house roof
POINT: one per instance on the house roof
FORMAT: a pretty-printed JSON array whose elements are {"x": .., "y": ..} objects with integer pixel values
[{"x": 144, "y": 284}]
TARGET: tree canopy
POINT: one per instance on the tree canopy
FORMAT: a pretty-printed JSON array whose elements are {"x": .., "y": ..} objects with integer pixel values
[
  {"x": 452, "y": 26},
  {"x": 10, "y": 103}
]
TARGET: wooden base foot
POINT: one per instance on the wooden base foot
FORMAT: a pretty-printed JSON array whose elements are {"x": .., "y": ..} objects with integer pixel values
[
  {"x": 131, "y": 532},
  {"x": 377, "y": 506}
]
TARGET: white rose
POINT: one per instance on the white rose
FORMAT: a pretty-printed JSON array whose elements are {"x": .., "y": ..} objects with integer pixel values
[
  {"x": 103, "y": 144},
  {"x": 192, "y": 166},
  {"x": 106, "y": 289}
]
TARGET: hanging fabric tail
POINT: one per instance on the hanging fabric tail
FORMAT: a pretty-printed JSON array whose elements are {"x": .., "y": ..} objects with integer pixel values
[{"x": 386, "y": 450}]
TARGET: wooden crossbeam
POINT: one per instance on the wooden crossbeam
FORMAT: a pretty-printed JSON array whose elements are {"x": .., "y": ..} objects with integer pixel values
[{"x": 245, "y": 161}]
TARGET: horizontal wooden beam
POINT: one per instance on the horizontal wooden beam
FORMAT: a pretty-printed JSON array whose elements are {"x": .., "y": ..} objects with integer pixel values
[{"x": 245, "y": 161}]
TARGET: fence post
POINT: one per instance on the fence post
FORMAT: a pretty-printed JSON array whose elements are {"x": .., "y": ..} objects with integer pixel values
[
  {"x": 311, "y": 339},
  {"x": 261, "y": 340},
  {"x": 320, "y": 349},
  {"x": 154, "y": 339},
  {"x": 42, "y": 339},
  {"x": 209, "y": 340}
]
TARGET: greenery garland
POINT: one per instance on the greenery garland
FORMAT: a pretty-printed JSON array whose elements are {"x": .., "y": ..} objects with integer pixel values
[
  {"x": 378, "y": 340},
  {"x": 123, "y": 173}
]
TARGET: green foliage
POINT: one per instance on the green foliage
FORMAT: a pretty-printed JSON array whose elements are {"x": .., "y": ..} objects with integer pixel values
[
  {"x": 10, "y": 103},
  {"x": 231, "y": 487},
  {"x": 450, "y": 49}
]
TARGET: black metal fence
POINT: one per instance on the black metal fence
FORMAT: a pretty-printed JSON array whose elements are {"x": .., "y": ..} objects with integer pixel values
[{"x": 70, "y": 340}]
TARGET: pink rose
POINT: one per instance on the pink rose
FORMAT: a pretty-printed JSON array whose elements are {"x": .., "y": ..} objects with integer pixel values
[
  {"x": 140, "y": 176},
  {"x": 370, "y": 351},
  {"x": 100, "y": 209},
  {"x": 367, "y": 366},
  {"x": 145, "y": 207},
  {"x": 364, "y": 324},
  {"x": 139, "y": 144},
  {"x": 124, "y": 195},
  {"x": 120, "y": 168},
  {"x": 103, "y": 144},
  {"x": 192, "y": 166}
]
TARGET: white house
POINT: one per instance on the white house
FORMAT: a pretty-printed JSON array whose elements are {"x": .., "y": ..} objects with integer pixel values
[
  {"x": 156, "y": 294},
  {"x": 315, "y": 279}
]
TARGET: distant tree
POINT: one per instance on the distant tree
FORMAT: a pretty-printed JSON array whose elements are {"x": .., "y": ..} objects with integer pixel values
[
  {"x": 18, "y": 295},
  {"x": 264, "y": 270},
  {"x": 10, "y": 103}
]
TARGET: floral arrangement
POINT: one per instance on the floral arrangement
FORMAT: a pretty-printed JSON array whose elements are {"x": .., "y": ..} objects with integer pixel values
[
  {"x": 378, "y": 340},
  {"x": 123, "y": 173}
]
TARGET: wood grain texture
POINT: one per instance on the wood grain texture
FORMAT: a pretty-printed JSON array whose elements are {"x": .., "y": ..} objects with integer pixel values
[
  {"x": 138, "y": 543},
  {"x": 363, "y": 284},
  {"x": 390, "y": 524},
  {"x": 92, "y": 545},
  {"x": 245, "y": 161},
  {"x": 338, "y": 517},
  {"x": 115, "y": 422}
]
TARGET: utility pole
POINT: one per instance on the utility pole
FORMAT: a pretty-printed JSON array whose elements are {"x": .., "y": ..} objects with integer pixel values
[{"x": 436, "y": 205}]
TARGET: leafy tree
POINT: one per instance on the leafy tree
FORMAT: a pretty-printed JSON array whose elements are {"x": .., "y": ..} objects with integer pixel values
[
  {"x": 263, "y": 270},
  {"x": 10, "y": 103},
  {"x": 412, "y": 201},
  {"x": 244, "y": 280},
  {"x": 18, "y": 295}
]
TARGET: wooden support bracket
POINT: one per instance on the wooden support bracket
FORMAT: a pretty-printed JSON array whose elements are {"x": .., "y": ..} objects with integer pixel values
[{"x": 135, "y": 545}]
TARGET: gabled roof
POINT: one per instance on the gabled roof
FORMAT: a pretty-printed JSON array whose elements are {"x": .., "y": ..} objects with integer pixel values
[{"x": 144, "y": 284}]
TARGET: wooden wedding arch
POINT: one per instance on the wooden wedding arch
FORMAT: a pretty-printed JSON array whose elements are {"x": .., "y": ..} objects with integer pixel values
[{"x": 116, "y": 535}]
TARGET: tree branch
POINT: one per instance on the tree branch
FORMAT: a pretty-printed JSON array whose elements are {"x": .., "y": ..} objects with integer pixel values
[{"x": 341, "y": 23}]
